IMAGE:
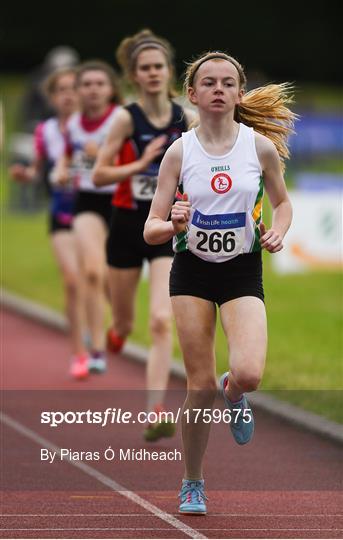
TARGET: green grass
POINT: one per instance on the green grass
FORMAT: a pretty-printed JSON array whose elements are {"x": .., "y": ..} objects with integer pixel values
[{"x": 304, "y": 363}]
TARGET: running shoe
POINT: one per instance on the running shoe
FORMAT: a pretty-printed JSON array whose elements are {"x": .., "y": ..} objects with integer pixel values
[
  {"x": 79, "y": 366},
  {"x": 241, "y": 429},
  {"x": 97, "y": 363},
  {"x": 192, "y": 498},
  {"x": 114, "y": 342},
  {"x": 156, "y": 431}
]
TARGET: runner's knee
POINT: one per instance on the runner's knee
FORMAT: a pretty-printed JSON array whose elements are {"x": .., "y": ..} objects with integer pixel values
[
  {"x": 247, "y": 380},
  {"x": 160, "y": 324},
  {"x": 94, "y": 276},
  {"x": 71, "y": 283}
]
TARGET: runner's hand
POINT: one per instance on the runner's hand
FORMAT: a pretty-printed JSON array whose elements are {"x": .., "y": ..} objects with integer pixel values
[
  {"x": 61, "y": 176},
  {"x": 270, "y": 239},
  {"x": 21, "y": 173},
  {"x": 180, "y": 213},
  {"x": 153, "y": 150}
]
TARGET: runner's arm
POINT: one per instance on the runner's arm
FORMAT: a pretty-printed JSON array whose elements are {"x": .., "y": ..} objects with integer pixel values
[
  {"x": 157, "y": 229},
  {"x": 277, "y": 192},
  {"x": 31, "y": 172},
  {"x": 61, "y": 171}
]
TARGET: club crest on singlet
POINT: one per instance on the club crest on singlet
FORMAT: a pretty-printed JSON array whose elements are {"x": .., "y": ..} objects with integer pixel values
[{"x": 221, "y": 183}]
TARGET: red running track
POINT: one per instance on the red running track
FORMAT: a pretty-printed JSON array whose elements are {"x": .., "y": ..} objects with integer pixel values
[{"x": 285, "y": 484}]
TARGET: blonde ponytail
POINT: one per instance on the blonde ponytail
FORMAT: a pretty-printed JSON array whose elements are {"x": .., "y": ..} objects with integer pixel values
[{"x": 266, "y": 110}]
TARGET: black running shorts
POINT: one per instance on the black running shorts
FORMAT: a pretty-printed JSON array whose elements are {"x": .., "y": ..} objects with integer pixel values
[
  {"x": 55, "y": 225},
  {"x": 96, "y": 203},
  {"x": 126, "y": 247},
  {"x": 217, "y": 282}
]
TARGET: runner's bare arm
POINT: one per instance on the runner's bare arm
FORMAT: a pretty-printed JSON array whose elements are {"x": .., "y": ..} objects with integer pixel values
[
  {"x": 157, "y": 229},
  {"x": 276, "y": 188},
  {"x": 61, "y": 172},
  {"x": 26, "y": 173}
]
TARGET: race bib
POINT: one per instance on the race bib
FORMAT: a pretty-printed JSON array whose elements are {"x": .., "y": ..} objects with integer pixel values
[
  {"x": 218, "y": 237},
  {"x": 144, "y": 186}
]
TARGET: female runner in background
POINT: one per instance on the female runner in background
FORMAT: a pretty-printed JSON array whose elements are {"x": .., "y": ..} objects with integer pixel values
[
  {"x": 49, "y": 140},
  {"x": 99, "y": 96},
  {"x": 145, "y": 129}
]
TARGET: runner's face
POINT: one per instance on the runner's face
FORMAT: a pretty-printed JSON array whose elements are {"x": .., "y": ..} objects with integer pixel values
[
  {"x": 64, "y": 97},
  {"x": 94, "y": 89},
  {"x": 152, "y": 73},
  {"x": 216, "y": 87}
]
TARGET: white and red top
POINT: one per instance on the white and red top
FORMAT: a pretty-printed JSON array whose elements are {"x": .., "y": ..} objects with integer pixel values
[
  {"x": 84, "y": 137},
  {"x": 49, "y": 141}
]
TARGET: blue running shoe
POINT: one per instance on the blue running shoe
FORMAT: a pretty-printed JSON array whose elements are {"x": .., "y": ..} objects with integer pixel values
[
  {"x": 241, "y": 429},
  {"x": 192, "y": 498},
  {"x": 97, "y": 364}
]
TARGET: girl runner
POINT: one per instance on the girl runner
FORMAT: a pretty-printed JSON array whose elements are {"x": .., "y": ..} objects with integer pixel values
[
  {"x": 146, "y": 128},
  {"x": 99, "y": 96},
  {"x": 49, "y": 146},
  {"x": 221, "y": 169}
]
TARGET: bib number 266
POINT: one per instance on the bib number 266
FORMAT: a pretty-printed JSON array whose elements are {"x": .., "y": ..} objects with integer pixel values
[{"x": 216, "y": 242}]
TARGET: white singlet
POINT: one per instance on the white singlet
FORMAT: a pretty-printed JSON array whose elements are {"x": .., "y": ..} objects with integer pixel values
[
  {"x": 226, "y": 194},
  {"x": 83, "y": 145}
]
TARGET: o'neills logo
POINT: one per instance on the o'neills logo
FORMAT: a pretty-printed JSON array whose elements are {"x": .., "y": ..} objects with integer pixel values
[{"x": 221, "y": 183}]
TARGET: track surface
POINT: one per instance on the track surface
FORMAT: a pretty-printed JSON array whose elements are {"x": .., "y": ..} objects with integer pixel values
[{"x": 285, "y": 484}]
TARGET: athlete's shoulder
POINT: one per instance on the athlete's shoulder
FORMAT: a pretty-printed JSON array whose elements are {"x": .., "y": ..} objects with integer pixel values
[
  {"x": 122, "y": 118},
  {"x": 115, "y": 111},
  {"x": 48, "y": 129},
  {"x": 266, "y": 152},
  {"x": 175, "y": 150},
  {"x": 74, "y": 120},
  {"x": 264, "y": 145},
  {"x": 49, "y": 122},
  {"x": 40, "y": 127},
  {"x": 121, "y": 125},
  {"x": 125, "y": 111}
]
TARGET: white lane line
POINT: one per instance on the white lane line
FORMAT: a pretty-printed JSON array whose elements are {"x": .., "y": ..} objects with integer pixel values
[
  {"x": 149, "y": 515},
  {"x": 160, "y": 529},
  {"x": 103, "y": 479}
]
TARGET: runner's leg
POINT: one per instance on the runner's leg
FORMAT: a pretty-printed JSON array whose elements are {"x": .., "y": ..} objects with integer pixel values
[
  {"x": 245, "y": 325},
  {"x": 195, "y": 321},
  {"x": 64, "y": 248},
  {"x": 160, "y": 323},
  {"x": 90, "y": 233}
]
